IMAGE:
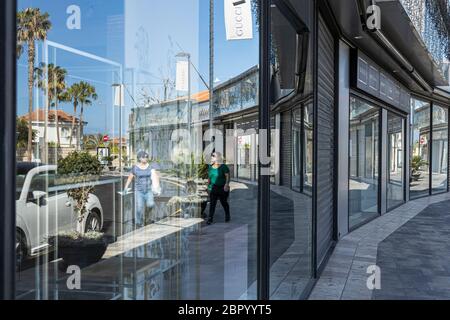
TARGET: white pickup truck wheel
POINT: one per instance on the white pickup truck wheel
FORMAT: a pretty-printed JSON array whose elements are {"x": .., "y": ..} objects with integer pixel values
[
  {"x": 21, "y": 249},
  {"x": 93, "y": 222}
]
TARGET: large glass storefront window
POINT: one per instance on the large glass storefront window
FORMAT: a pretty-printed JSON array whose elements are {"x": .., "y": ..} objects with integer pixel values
[
  {"x": 113, "y": 199},
  {"x": 395, "y": 161},
  {"x": 439, "y": 156},
  {"x": 419, "y": 149},
  {"x": 364, "y": 162},
  {"x": 291, "y": 194}
]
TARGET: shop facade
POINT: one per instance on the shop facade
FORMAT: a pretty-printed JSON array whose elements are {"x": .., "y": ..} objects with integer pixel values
[{"x": 358, "y": 125}]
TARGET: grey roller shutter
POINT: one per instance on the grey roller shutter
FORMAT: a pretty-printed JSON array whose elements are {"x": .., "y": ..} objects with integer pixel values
[{"x": 325, "y": 143}]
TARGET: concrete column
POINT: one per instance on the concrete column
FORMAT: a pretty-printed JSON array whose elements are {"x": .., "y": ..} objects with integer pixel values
[
  {"x": 407, "y": 146},
  {"x": 343, "y": 114}
]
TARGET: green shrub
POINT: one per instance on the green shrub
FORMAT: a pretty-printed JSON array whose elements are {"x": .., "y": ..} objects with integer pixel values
[
  {"x": 79, "y": 169},
  {"x": 202, "y": 170},
  {"x": 416, "y": 163}
]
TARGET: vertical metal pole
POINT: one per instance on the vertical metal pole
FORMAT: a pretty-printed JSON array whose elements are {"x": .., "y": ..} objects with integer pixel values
[
  {"x": 384, "y": 149},
  {"x": 46, "y": 101},
  {"x": 407, "y": 146},
  {"x": 264, "y": 125},
  {"x": 120, "y": 130},
  {"x": 7, "y": 139},
  {"x": 190, "y": 117},
  {"x": 189, "y": 120},
  {"x": 448, "y": 148},
  {"x": 430, "y": 152},
  {"x": 211, "y": 62}
]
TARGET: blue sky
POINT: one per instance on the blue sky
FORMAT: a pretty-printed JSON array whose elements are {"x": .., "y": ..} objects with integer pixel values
[{"x": 108, "y": 31}]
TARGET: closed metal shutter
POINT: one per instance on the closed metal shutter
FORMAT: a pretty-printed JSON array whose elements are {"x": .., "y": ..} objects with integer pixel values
[
  {"x": 286, "y": 147},
  {"x": 325, "y": 143}
]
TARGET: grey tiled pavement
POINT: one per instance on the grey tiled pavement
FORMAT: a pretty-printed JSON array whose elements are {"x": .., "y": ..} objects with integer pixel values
[{"x": 410, "y": 245}]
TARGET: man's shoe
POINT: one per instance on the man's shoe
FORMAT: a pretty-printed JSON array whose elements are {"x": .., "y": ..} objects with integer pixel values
[
  {"x": 227, "y": 219},
  {"x": 209, "y": 222}
]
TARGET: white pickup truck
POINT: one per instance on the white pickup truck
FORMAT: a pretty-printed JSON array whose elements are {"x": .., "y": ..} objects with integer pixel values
[{"x": 44, "y": 209}]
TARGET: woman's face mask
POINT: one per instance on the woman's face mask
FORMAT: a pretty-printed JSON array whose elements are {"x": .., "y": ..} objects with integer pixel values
[{"x": 144, "y": 160}]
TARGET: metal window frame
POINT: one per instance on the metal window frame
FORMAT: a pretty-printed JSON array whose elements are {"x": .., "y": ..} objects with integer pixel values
[
  {"x": 263, "y": 210},
  {"x": 361, "y": 97},
  {"x": 430, "y": 152},
  {"x": 263, "y": 213},
  {"x": 8, "y": 138},
  {"x": 438, "y": 191},
  {"x": 410, "y": 149},
  {"x": 404, "y": 154}
]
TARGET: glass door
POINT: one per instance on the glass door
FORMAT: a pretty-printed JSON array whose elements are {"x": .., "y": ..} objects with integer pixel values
[
  {"x": 395, "y": 157},
  {"x": 364, "y": 162}
]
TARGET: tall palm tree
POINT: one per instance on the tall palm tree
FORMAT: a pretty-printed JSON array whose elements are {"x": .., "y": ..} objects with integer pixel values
[
  {"x": 81, "y": 93},
  {"x": 55, "y": 84},
  {"x": 73, "y": 94},
  {"x": 93, "y": 141},
  {"x": 87, "y": 96},
  {"x": 32, "y": 26}
]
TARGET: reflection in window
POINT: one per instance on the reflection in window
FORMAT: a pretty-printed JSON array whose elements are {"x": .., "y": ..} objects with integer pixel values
[
  {"x": 131, "y": 97},
  {"x": 302, "y": 149},
  {"x": 289, "y": 51},
  {"x": 439, "y": 157},
  {"x": 290, "y": 211},
  {"x": 364, "y": 162},
  {"x": 420, "y": 137},
  {"x": 296, "y": 150},
  {"x": 308, "y": 153},
  {"x": 395, "y": 160}
]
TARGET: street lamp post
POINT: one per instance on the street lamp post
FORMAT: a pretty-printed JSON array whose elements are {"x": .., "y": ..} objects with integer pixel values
[{"x": 211, "y": 62}]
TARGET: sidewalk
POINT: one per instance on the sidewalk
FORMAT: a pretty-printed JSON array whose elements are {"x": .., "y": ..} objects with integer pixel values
[{"x": 410, "y": 244}]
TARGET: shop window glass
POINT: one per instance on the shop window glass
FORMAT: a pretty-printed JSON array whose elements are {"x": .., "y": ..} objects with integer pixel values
[
  {"x": 363, "y": 162},
  {"x": 439, "y": 157},
  {"x": 119, "y": 110},
  {"x": 395, "y": 160},
  {"x": 420, "y": 147},
  {"x": 291, "y": 194},
  {"x": 289, "y": 50}
]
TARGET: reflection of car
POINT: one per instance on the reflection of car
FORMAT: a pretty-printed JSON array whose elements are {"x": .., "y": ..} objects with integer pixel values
[{"x": 44, "y": 209}]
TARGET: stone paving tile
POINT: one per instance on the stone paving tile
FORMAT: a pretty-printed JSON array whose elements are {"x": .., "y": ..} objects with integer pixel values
[
  {"x": 420, "y": 250},
  {"x": 407, "y": 243},
  {"x": 328, "y": 288}
]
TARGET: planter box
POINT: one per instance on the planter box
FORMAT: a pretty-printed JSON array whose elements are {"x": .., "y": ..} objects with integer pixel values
[
  {"x": 82, "y": 256},
  {"x": 81, "y": 252}
]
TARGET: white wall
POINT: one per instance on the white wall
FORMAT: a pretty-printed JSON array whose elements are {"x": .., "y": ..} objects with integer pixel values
[{"x": 64, "y": 131}]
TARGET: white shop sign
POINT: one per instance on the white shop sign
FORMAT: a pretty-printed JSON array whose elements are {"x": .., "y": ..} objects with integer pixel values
[
  {"x": 238, "y": 19},
  {"x": 182, "y": 76}
]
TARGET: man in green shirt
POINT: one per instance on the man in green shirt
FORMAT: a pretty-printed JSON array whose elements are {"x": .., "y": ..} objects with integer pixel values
[{"x": 218, "y": 186}]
